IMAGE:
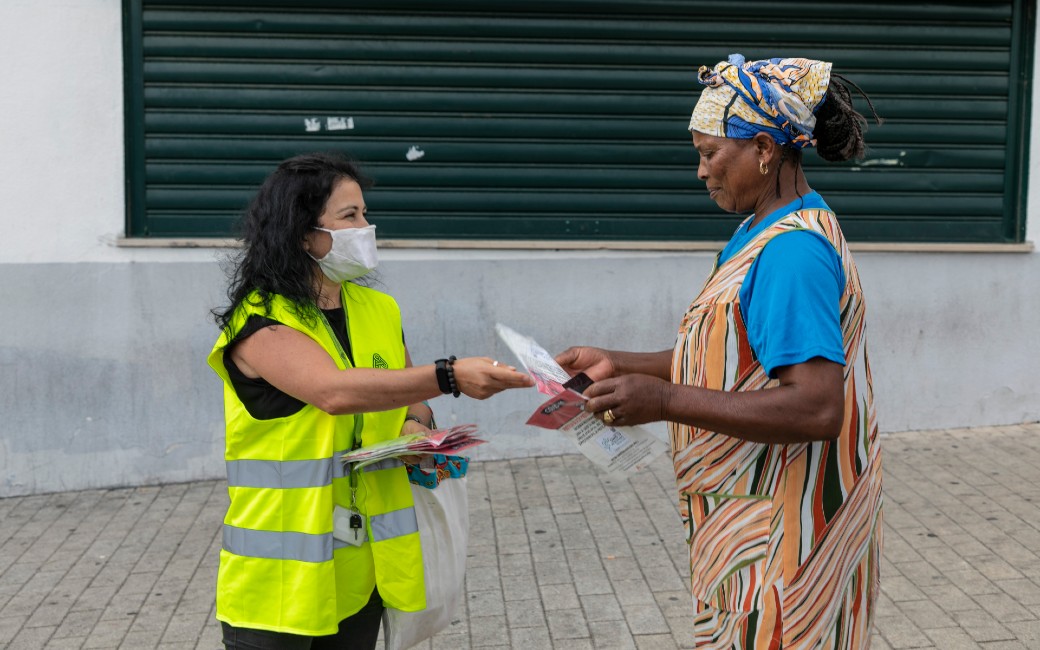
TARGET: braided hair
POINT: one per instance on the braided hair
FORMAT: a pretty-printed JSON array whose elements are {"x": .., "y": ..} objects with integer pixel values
[{"x": 839, "y": 127}]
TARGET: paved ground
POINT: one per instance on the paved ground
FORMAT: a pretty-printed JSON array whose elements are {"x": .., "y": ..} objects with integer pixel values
[{"x": 562, "y": 556}]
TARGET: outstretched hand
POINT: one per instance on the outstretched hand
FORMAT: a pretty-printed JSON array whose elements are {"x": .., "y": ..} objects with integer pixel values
[
  {"x": 597, "y": 363},
  {"x": 482, "y": 377},
  {"x": 631, "y": 399}
]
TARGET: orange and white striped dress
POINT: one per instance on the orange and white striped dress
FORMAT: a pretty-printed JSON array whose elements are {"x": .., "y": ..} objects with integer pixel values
[{"x": 785, "y": 539}]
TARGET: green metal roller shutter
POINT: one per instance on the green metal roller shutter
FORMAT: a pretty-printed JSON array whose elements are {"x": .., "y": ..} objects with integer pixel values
[{"x": 563, "y": 119}]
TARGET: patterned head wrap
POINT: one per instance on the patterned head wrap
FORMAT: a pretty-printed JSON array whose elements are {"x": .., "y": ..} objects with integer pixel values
[{"x": 777, "y": 96}]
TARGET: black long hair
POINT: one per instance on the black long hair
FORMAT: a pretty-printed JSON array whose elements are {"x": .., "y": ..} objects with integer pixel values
[{"x": 285, "y": 209}]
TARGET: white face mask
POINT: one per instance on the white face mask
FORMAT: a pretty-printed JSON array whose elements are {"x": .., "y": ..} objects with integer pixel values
[{"x": 353, "y": 253}]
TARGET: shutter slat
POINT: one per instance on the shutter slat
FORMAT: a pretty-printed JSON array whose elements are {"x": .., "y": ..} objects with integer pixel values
[
  {"x": 531, "y": 103},
  {"x": 273, "y": 73},
  {"x": 695, "y": 53},
  {"x": 552, "y": 152},
  {"x": 376, "y": 125},
  {"x": 825, "y": 179},
  {"x": 762, "y": 10},
  {"x": 577, "y": 28}
]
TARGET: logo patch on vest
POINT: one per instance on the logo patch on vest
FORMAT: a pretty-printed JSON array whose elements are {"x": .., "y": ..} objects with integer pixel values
[{"x": 378, "y": 362}]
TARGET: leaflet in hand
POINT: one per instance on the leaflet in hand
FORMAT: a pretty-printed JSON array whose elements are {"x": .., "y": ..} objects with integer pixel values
[
  {"x": 547, "y": 374},
  {"x": 619, "y": 449},
  {"x": 441, "y": 441}
]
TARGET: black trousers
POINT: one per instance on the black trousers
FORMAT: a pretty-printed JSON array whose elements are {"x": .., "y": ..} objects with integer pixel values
[{"x": 357, "y": 632}]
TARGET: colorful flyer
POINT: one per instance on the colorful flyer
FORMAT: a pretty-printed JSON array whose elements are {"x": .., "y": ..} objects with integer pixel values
[{"x": 617, "y": 449}]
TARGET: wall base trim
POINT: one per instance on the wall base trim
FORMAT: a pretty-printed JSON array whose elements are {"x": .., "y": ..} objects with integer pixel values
[{"x": 664, "y": 246}]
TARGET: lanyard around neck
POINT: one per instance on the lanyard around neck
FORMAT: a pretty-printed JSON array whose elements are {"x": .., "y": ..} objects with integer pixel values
[
  {"x": 359, "y": 418},
  {"x": 332, "y": 333}
]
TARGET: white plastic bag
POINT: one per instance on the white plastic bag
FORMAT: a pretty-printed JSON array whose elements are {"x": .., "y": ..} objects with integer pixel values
[{"x": 443, "y": 517}]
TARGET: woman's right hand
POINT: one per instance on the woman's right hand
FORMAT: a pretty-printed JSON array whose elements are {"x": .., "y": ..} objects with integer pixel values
[
  {"x": 481, "y": 377},
  {"x": 597, "y": 363}
]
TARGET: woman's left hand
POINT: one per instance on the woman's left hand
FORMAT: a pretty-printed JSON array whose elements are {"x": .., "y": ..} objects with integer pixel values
[
  {"x": 628, "y": 400},
  {"x": 411, "y": 426}
]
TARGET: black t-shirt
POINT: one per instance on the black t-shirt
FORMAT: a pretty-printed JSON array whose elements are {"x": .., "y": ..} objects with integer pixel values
[{"x": 261, "y": 399}]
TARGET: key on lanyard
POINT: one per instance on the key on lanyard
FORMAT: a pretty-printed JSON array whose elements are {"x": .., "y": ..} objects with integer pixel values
[{"x": 355, "y": 524}]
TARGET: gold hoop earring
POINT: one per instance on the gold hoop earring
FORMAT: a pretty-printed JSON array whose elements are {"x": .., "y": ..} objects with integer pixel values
[{"x": 763, "y": 168}]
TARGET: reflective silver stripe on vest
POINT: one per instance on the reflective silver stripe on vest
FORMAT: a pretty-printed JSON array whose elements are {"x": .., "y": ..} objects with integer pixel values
[
  {"x": 386, "y": 463},
  {"x": 338, "y": 469},
  {"x": 394, "y": 524},
  {"x": 273, "y": 545},
  {"x": 280, "y": 474}
]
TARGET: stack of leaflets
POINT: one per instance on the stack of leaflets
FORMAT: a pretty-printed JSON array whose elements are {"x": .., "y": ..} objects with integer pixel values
[{"x": 441, "y": 441}]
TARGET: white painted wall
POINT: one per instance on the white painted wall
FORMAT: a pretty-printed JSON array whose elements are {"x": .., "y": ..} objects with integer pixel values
[
  {"x": 102, "y": 373},
  {"x": 62, "y": 197},
  {"x": 62, "y": 108}
]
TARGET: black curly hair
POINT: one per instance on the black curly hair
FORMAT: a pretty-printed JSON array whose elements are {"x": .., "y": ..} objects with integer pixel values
[{"x": 286, "y": 207}]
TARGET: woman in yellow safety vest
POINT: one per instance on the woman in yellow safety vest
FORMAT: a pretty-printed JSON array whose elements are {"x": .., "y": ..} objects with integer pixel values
[{"x": 314, "y": 364}]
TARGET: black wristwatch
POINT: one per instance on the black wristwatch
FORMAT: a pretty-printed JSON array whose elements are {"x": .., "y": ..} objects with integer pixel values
[
  {"x": 442, "y": 376},
  {"x": 446, "y": 376}
]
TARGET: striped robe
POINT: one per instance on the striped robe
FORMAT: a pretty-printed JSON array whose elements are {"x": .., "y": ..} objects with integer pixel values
[{"x": 785, "y": 540}]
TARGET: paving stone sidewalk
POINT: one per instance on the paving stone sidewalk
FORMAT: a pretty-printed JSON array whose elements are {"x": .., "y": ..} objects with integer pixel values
[{"x": 562, "y": 556}]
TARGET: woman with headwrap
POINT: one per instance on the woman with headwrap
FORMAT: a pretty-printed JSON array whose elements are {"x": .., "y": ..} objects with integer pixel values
[{"x": 768, "y": 392}]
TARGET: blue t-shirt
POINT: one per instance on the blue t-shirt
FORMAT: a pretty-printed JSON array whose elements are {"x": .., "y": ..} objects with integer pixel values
[{"x": 791, "y": 295}]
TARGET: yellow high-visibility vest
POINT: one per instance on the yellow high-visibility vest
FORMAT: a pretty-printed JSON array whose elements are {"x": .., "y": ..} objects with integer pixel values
[{"x": 280, "y": 567}]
